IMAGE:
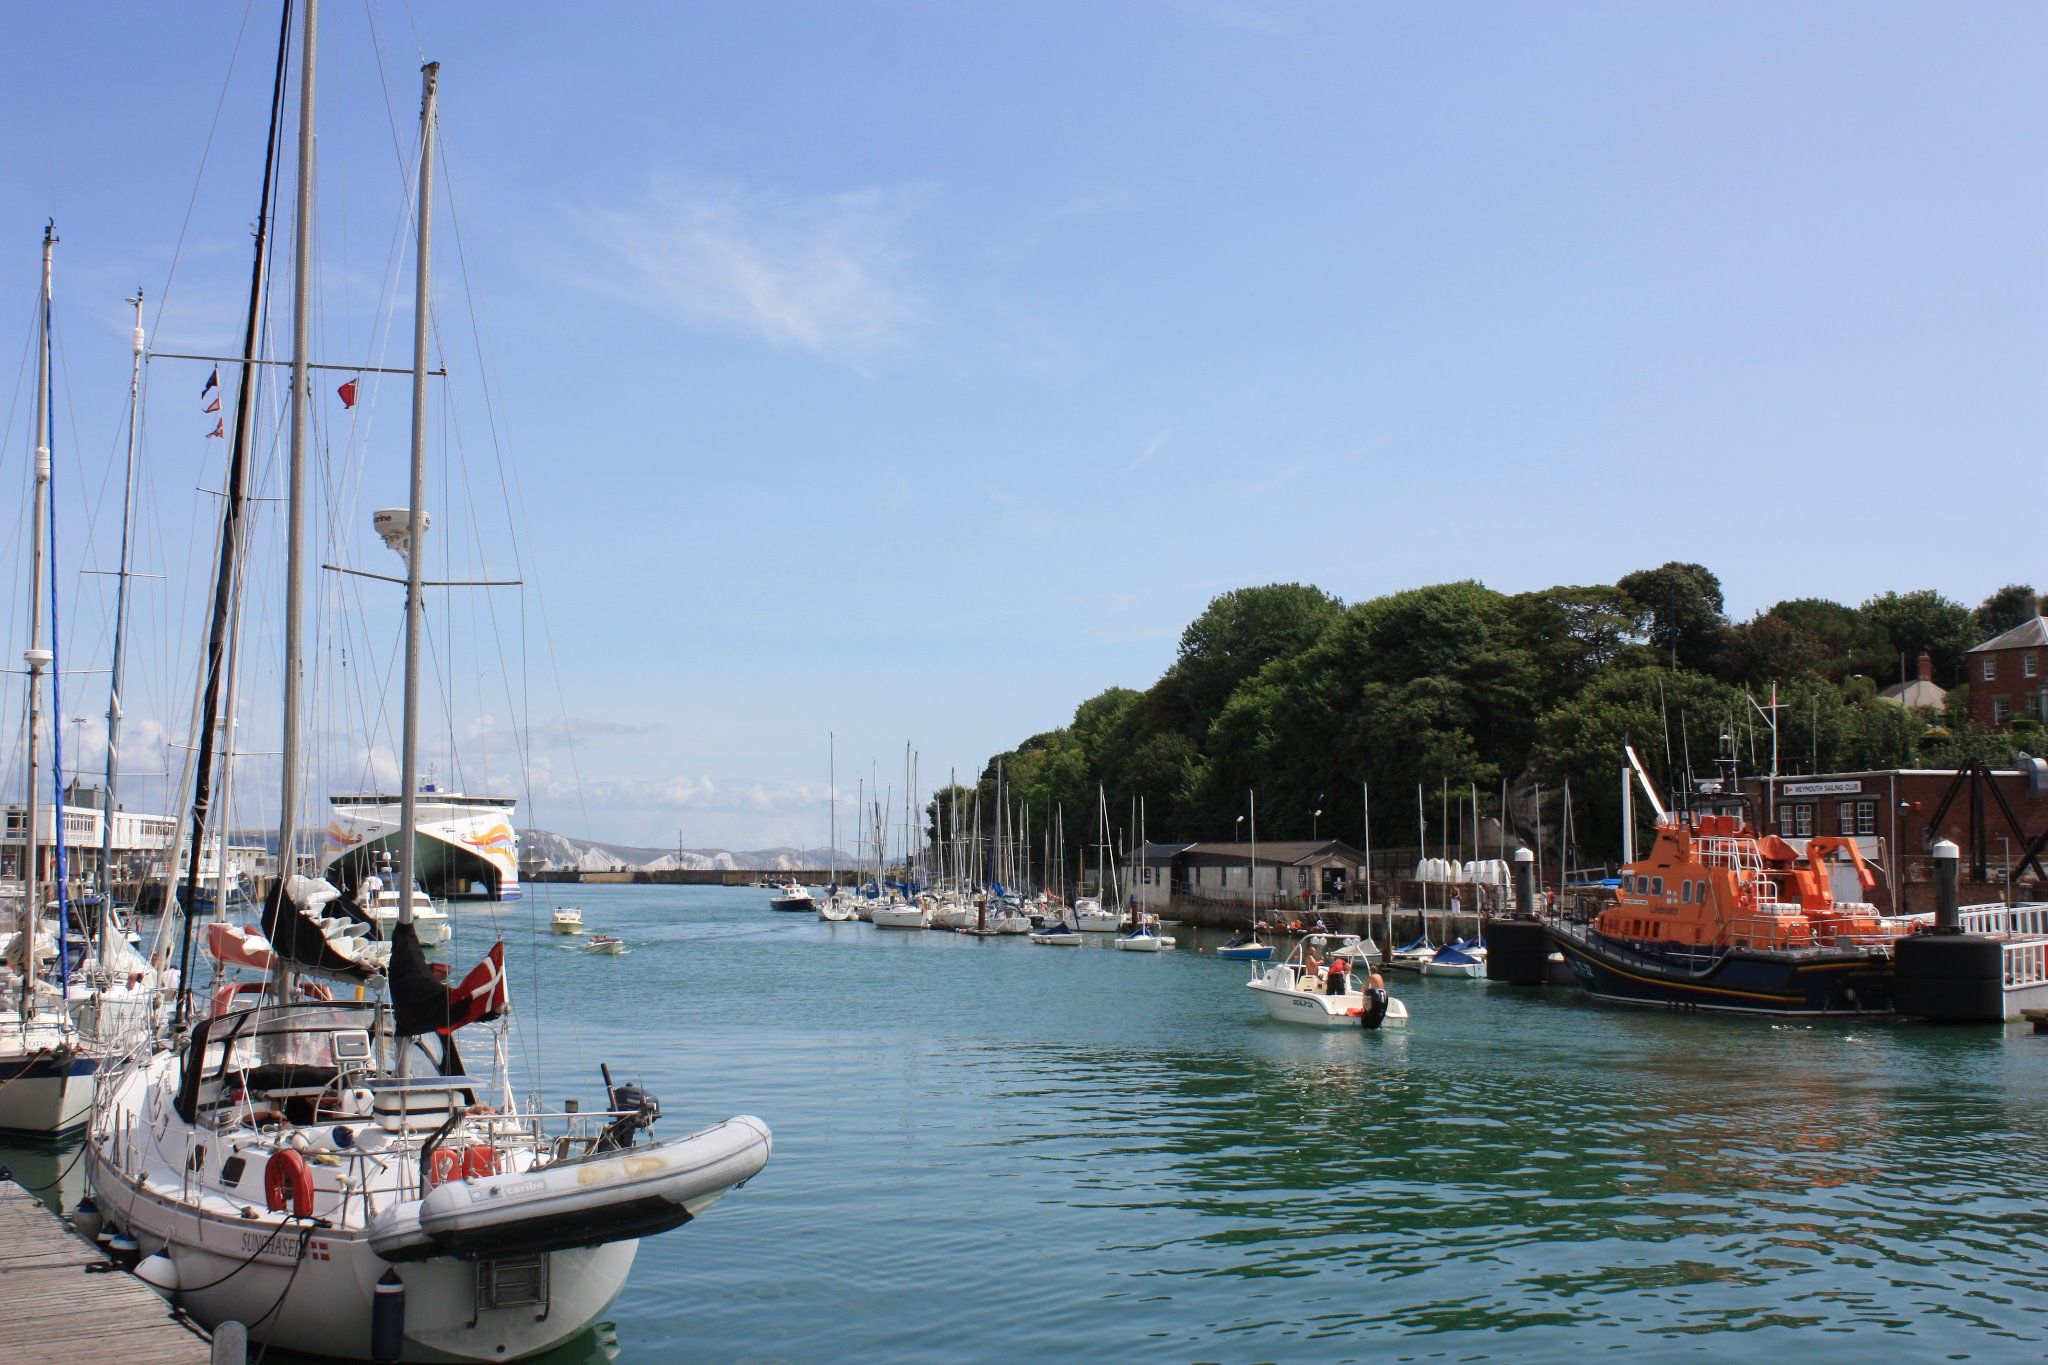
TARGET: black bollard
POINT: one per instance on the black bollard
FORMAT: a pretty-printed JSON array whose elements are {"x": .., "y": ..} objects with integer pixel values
[{"x": 1947, "y": 893}]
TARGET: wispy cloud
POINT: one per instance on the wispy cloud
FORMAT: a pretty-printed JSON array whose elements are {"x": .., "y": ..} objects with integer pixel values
[
  {"x": 827, "y": 274},
  {"x": 572, "y": 728},
  {"x": 1151, "y": 449}
]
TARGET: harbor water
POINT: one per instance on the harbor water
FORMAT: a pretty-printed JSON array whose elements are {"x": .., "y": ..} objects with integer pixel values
[{"x": 987, "y": 1148}]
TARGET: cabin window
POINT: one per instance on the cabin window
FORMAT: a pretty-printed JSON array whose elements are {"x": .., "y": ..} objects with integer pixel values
[
  {"x": 1685, "y": 893},
  {"x": 1657, "y": 886}
]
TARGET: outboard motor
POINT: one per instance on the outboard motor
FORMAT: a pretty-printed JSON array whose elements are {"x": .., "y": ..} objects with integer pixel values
[
  {"x": 1375, "y": 1011},
  {"x": 636, "y": 1109}
]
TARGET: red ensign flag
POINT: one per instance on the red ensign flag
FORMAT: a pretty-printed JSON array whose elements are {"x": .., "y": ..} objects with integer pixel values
[{"x": 348, "y": 394}]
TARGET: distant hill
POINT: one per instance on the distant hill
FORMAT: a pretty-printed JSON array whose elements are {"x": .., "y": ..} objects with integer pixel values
[{"x": 559, "y": 850}]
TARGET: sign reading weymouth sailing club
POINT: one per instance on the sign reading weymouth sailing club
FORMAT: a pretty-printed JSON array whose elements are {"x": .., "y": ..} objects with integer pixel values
[{"x": 1821, "y": 789}]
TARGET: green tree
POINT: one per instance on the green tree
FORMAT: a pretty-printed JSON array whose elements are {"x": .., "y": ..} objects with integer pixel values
[
  {"x": 1853, "y": 643},
  {"x": 2004, "y": 609},
  {"x": 1685, "y": 609},
  {"x": 1240, "y": 633},
  {"x": 1913, "y": 621}
]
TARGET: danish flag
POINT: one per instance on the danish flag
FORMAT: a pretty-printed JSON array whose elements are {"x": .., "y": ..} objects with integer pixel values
[{"x": 482, "y": 995}]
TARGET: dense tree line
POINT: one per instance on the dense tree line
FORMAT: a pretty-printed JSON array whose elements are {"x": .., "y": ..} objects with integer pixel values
[{"x": 1287, "y": 690}]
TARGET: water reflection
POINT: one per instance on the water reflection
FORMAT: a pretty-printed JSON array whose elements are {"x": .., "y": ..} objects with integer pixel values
[{"x": 985, "y": 1147}]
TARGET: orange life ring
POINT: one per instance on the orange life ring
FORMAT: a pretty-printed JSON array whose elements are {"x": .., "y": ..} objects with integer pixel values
[
  {"x": 287, "y": 1179},
  {"x": 443, "y": 1166}
]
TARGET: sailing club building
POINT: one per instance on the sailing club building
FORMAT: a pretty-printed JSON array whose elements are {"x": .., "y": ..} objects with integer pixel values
[
  {"x": 1896, "y": 815},
  {"x": 1292, "y": 871}
]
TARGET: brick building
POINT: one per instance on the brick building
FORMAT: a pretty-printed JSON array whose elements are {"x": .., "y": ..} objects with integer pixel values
[
  {"x": 1290, "y": 871},
  {"x": 1896, "y": 815},
  {"x": 2009, "y": 675}
]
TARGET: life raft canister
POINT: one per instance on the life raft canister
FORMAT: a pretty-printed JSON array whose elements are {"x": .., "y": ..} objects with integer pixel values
[
  {"x": 443, "y": 1165},
  {"x": 479, "y": 1160},
  {"x": 287, "y": 1179}
]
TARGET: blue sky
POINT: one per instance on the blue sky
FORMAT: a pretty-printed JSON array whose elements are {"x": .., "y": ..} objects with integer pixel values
[{"x": 916, "y": 371}]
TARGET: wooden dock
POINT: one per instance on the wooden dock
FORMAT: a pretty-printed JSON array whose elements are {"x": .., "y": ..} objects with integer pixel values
[{"x": 53, "y": 1309}]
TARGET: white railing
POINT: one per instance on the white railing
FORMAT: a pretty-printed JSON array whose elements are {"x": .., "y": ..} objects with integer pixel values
[
  {"x": 2028, "y": 919},
  {"x": 2026, "y": 964}
]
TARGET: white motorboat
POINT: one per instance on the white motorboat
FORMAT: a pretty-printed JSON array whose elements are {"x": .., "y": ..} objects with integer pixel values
[
  {"x": 1008, "y": 918},
  {"x": 792, "y": 898},
  {"x": 1090, "y": 918},
  {"x": 1057, "y": 935},
  {"x": 898, "y": 915},
  {"x": 1296, "y": 991},
  {"x": 566, "y": 919},
  {"x": 379, "y": 900},
  {"x": 609, "y": 944}
]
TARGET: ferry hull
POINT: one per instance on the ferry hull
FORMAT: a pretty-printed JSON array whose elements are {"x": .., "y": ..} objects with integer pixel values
[{"x": 1817, "y": 984}]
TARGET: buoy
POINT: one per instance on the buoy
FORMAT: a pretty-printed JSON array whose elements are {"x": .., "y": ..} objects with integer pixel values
[
  {"x": 87, "y": 1219},
  {"x": 160, "y": 1273},
  {"x": 387, "y": 1318},
  {"x": 288, "y": 1180}
]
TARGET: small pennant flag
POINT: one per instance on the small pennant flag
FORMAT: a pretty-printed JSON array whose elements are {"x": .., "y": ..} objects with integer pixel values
[
  {"x": 220, "y": 428},
  {"x": 214, "y": 406},
  {"x": 348, "y": 394},
  {"x": 212, "y": 382}
]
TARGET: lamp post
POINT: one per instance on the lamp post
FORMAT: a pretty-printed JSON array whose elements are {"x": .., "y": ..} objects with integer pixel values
[
  {"x": 1315, "y": 824},
  {"x": 2005, "y": 852}
]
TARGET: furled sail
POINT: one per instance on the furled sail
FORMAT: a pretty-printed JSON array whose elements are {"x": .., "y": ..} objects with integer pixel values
[{"x": 301, "y": 929}]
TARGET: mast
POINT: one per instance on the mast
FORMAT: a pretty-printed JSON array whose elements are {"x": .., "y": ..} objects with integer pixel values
[
  {"x": 120, "y": 638},
  {"x": 416, "y": 519},
  {"x": 295, "y": 482},
  {"x": 1254, "y": 795},
  {"x": 416, "y": 523},
  {"x": 35, "y": 655},
  {"x": 233, "y": 509},
  {"x": 832, "y": 816}
]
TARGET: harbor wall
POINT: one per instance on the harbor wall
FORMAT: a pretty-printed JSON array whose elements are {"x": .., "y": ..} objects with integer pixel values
[{"x": 690, "y": 876}]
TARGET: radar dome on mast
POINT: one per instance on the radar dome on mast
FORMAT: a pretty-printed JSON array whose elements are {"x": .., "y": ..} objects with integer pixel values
[{"x": 394, "y": 524}]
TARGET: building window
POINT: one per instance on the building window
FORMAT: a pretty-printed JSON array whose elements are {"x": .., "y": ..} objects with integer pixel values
[
  {"x": 1796, "y": 822},
  {"x": 1990, "y": 668},
  {"x": 1858, "y": 817},
  {"x": 1301, "y": 877},
  {"x": 2001, "y": 710},
  {"x": 2027, "y": 665}
]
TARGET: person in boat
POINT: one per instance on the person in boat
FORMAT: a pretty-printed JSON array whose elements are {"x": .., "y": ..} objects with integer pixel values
[
  {"x": 1375, "y": 1008},
  {"x": 1334, "y": 983}
]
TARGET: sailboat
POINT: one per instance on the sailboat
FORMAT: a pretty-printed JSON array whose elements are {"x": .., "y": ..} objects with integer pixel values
[
  {"x": 1144, "y": 935},
  {"x": 1248, "y": 946},
  {"x": 326, "y": 1170},
  {"x": 46, "y": 1071}
]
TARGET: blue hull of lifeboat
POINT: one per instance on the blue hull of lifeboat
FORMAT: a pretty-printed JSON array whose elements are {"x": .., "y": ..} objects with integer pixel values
[{"x": 1820, "y": 982}]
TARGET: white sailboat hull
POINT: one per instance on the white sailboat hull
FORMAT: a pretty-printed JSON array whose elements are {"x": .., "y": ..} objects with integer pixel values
[
  {"x": 899, "y": 917},
  {"x": 1150, "y": 943},
  {"x": 44, "y": 1093}
]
